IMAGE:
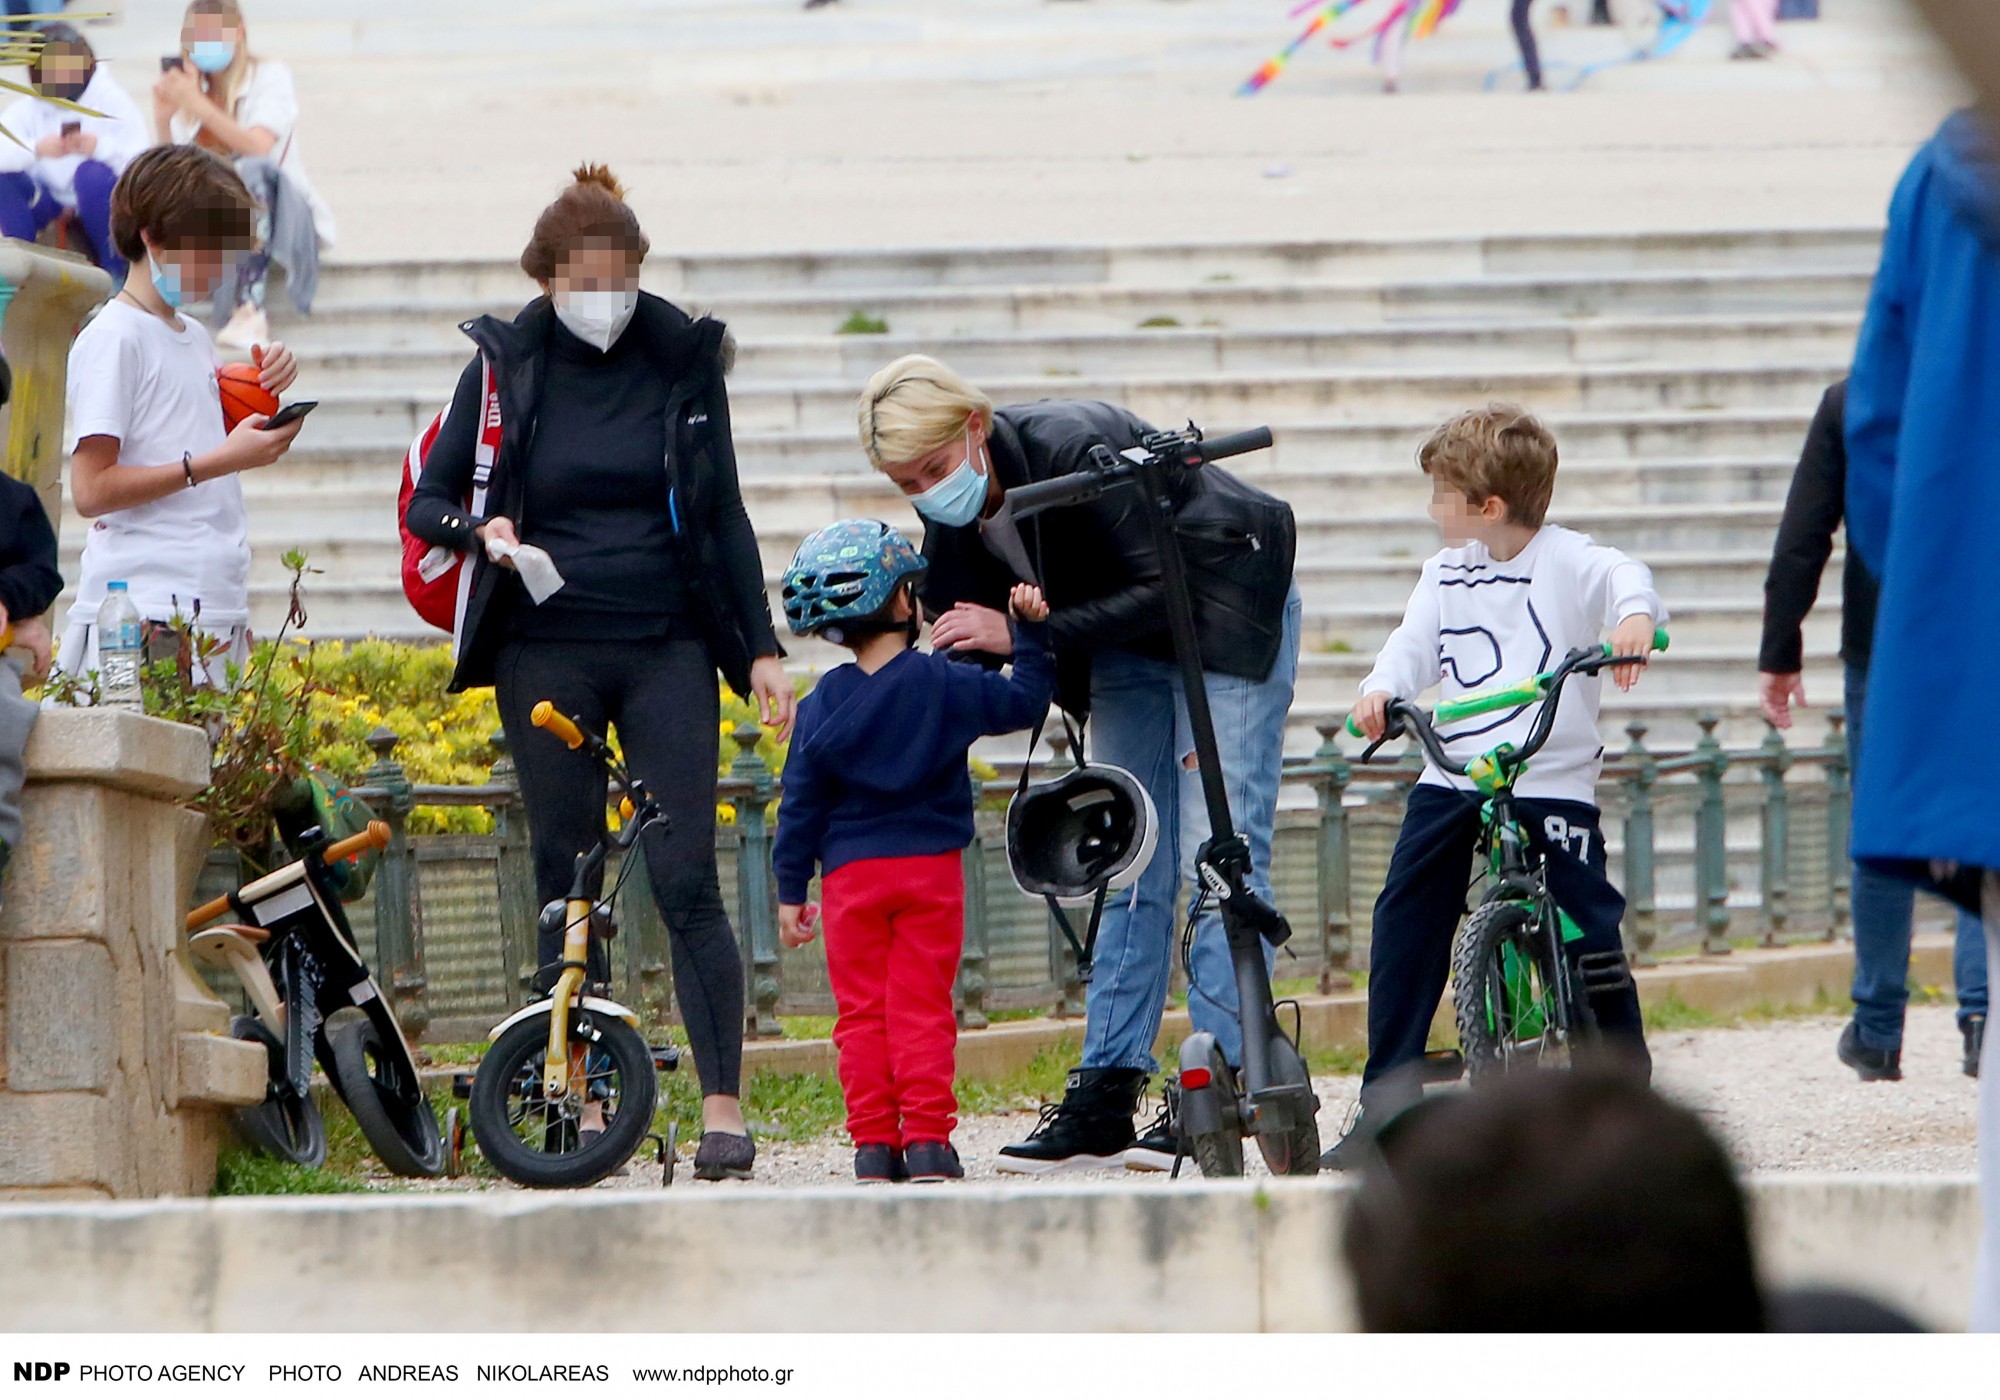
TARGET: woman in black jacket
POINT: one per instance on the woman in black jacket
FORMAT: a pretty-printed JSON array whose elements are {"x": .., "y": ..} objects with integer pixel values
[
  {"x": 956, "y": 457},
  {"x": 615, "y": 459}
]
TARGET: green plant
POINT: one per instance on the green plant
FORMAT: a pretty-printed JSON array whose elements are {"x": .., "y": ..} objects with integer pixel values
[
  {"x": 859, "y": 322},
  {"x": 242, "y": 1171},
  {"x": 1159, "y": 323}
]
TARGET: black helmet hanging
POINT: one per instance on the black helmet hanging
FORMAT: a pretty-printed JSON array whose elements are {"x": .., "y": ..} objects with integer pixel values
[{"x": 1092, "y": 829}]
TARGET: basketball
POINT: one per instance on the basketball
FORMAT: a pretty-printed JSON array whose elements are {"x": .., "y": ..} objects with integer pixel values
[{"x": 242, "y": 395}]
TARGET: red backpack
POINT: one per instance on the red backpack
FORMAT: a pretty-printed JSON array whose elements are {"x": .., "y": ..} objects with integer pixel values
[{"x": 437, "y": 580}]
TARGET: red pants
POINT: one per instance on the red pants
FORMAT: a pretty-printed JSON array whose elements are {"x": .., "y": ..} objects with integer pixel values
[{"x": 894, "y": 927}]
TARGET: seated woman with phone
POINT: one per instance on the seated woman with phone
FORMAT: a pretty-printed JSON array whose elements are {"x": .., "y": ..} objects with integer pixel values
[
  {"x": 67, "y": 161},
  {"x": 218, "y": 95}
]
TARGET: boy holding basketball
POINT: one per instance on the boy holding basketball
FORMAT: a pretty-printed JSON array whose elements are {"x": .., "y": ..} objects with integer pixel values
[{"x": 152, "y": 464}]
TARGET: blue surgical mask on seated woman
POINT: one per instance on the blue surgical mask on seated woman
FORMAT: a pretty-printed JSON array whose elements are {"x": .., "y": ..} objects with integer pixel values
[
  {"x": 211, "y": 55},
  {"x": 956, "y": 499},
  {"x": 597, "y": 318}
]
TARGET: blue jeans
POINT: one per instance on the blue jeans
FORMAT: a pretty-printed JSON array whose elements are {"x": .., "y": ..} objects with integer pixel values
[
  {"x": 1883, "y": 907},
  {"x": 1138, "y": 720}
]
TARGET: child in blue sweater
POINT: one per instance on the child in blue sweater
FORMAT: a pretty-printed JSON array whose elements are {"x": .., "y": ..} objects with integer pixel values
[{"x": 878, "y": 797}]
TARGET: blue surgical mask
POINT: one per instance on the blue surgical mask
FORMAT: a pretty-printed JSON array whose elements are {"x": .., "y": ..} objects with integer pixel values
[
  {"x": 957, "y": 499},
  {"x": 211, "y": 55},
  {"x": 166, "y": 281}
]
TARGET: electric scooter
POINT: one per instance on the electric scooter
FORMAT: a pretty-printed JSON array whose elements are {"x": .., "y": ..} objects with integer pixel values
[{"x": 1211, "y": 1109}]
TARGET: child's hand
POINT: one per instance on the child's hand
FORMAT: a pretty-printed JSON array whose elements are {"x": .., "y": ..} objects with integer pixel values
[
  {"x": 1028, "y": 604},
  {"x": 1372, "y": 713},
  {"x": 251, "y": 445},
  {"x": 277, "y": 367},
  {"x": 798, "y": 924},
  {"x": 1632, "y": 637},
  {"x": 34, "y": 635}
]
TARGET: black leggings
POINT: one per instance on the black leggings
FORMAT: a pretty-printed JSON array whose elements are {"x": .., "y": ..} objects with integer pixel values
[
  {"x": 661, "y": 697},
  {"x": 1524, "y": 35}
]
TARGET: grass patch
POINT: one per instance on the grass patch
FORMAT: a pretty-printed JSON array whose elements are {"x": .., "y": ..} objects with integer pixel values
[
  {"x": 1671, "y": 1013},
  {"x": 462, "y": 1052},
  {"x": 1337, "y": 646},
  {"x": 861, "y": 323},
  {"x": 806, "y": 1027},
  {"x": 243, "y": 1171},
  {"x": 1160, "y": 323}
]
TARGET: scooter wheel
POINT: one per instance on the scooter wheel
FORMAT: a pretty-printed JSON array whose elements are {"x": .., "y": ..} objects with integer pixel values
[
  {"x": 536, "y": 1141},
  {"x": 286, "y": 1125},
  {"x": 1295, "y": 1151},
  {"x": 1220, "y": 1154},
  {"x": 382, "y": 1091}
]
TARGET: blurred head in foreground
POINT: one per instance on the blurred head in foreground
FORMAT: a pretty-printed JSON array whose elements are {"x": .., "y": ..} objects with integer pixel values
[{"x": 1552, "y": 1202}]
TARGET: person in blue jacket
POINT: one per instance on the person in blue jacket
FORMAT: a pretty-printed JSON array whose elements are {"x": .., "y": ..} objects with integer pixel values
[
  {"x": 877, "y": 797},
  {"x": 1923, "y": 498}
]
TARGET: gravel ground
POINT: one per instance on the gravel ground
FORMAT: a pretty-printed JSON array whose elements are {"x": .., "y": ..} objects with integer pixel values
[{"x": 1774, "y": 1092}]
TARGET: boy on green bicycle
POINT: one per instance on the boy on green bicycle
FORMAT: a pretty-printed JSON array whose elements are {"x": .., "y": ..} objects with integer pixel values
[{"x": 1507, "y": 597}]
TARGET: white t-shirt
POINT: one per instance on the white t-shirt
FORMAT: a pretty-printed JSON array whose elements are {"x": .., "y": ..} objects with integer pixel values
[
  {"x": 122, "y": 132},
  {"x": 267, "y": 99},
  {"x": 1475, "y": 622},
  {"x": 135, "y": 378}
]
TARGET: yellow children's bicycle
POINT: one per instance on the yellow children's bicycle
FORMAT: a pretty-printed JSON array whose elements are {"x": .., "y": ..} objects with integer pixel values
[
  {"x": 296, "y": 957},
  {"x": 565, "y": 1095}
]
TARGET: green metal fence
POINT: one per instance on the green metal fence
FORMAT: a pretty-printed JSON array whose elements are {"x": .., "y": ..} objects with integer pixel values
[{"x": 1711, "y": 845}]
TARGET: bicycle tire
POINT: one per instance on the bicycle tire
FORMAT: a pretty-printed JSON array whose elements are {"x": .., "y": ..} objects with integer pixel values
[
  {"x": 284, "y": 1125},
  {"x": 514, "y": 1062},
  {"x": 1488, "y": 1035},
  {"x": 1220, "y": 1154},
  {"x": 393, "y": 1114},
  {"x": 1294, "y": 1152}
]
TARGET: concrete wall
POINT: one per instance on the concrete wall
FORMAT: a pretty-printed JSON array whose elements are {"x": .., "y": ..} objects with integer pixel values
[
  {"x": 1117, "y": 1257},
  {"x": 114, "y": 1057}
]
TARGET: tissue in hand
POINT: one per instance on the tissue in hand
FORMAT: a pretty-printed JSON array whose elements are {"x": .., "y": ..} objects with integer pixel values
[{"x": 537, "y": 570}]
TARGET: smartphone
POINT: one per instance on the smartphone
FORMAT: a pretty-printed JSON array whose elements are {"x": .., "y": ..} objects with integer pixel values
[
  {"x": 291, "y": 413},
  {"x": 169, "y": 63},
  {"x": 71, "y": 128}
]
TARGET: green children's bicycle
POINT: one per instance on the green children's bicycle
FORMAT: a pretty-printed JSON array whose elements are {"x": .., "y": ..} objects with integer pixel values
[{"x": 1518, "y": 1000}]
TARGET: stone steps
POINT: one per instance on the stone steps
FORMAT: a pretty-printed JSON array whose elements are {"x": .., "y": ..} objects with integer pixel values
[
  {"x": 1462, "y": 346},
  {"x": 433, "y": 321}
]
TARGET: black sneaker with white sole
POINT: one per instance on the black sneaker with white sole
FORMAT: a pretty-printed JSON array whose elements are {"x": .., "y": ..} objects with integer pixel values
[
  {"x": 1155, "y": 1149},
  {"x": 1089, "y": 1130}
]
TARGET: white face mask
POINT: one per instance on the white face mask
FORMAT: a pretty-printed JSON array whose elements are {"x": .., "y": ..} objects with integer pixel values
[{"x": 598, "y": 318}]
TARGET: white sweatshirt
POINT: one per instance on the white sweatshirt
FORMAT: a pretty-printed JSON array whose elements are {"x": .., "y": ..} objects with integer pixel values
[
  {"x": 1475, "y": 622},
  {"x": 122, "y": 132}
]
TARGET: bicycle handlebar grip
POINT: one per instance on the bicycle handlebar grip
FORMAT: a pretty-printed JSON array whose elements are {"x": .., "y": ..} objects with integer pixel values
[
  {"x": 214, "y": 909},
  {"x": 374, "y": 838},
  {"x": 547, "y": 716},
  {"x": 1235, "y": 444}
]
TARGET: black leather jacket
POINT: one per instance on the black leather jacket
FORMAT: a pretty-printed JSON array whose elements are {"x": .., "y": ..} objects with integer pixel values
[
  {"x": 1096, "y": 562},
  {"x": 717, "y": 548}
]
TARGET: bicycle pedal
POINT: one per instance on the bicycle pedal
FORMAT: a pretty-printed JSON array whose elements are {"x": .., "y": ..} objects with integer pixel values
[
  {"x": 1604, "y": 972},
  {"x": 461, "y": 1086},
  {"x": 666, "y": 1058}
]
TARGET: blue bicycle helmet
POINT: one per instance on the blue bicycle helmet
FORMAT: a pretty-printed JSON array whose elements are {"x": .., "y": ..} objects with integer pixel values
[{"x": 847, "y": 572}]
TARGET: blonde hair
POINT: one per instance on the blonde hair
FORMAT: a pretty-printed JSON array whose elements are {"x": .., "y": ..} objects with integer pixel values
[
  {"x": 225, "y": 87},
  {"x": 914, "y": 406},
  {"x": 1499, "y": 450}
]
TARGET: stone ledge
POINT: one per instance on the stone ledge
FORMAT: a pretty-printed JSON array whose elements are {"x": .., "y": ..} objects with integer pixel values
[
  {"x": 133, "y": 753},
  {"x": 1097, "y": 1257},
  {"x": 218, "y": 1071}
]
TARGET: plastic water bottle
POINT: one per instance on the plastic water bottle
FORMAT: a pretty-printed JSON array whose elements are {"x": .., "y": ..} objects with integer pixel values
[{"x": 119, "y": 651}]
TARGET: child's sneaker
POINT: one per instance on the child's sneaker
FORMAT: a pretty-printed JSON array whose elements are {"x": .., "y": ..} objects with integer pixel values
[
  {"x": 932, "y": 1162},
  {"x": 878, "y": 1164}
]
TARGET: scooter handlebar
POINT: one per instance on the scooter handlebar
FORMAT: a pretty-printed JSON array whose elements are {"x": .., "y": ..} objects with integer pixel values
[{"x": 1234, "y": 444}]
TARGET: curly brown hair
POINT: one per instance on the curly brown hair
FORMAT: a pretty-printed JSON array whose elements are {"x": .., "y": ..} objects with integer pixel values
[
  {"x": 181, "y": 195},
  {"x": 1499, "y": 450},
  {"x": 591, "y": 210}
]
